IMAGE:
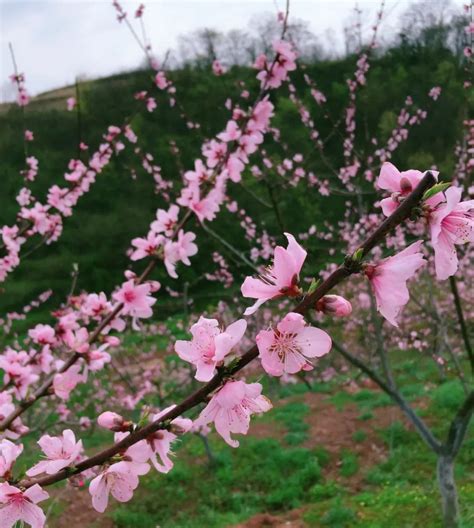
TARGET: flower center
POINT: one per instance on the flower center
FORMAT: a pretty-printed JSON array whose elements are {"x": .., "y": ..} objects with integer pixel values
[{"x": 284, "y": 344}]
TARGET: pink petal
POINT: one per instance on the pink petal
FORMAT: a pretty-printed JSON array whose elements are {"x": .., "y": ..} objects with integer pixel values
[
  {"x": 313, "y": 342},
  {"x": 389, "y": 178}
]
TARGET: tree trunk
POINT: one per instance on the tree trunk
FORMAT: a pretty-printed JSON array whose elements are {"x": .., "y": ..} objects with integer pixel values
[{"x": 449, "y": 494}]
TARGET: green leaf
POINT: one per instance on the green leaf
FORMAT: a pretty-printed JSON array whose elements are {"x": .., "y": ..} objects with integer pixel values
[
  {"x": 314, "y": 284},
  {"x": 357, "y": 255},
  {"x": 439, "y": 187}
]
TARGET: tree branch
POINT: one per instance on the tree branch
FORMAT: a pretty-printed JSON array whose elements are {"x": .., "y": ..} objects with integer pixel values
[
  {"x": 348, "y": 268},
  {"x": 419, "y": 424}
]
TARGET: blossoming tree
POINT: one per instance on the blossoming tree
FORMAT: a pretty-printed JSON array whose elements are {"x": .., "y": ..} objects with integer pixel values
[{"x": 424, "y": 228}]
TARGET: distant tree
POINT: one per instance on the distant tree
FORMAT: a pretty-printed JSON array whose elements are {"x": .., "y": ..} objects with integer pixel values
[
  {"x": 427, "y": 23},
  {"x": 201, "y": 46}
]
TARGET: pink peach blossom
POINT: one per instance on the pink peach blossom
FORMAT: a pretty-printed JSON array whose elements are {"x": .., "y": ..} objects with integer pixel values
[
  {"x": 451, "y": 224},
  {"x": 159, "y": 443},
  {"x": 388, "y": 280},
  {"x": 166, "y": 221},
  {"x": 160, "y": 80},
  {"x": 136, "y": 299},
  {"x": 61, "y": 451},
  {"x": 287, "y": 348},
  {"x": 400, "y": 184},
  {"x": 120, "y": 479},
  {"x": 65, "y": 382},
  {"x": 43, "y": 334},
  {"x": 278, "y": 280},
  {"x": 78, "y": 340},
  {"x": 179, "y": 251},
  {"x": 209, "y": 345},
  {"x": 18, "y": 505},
  {"x": 334, "y": 305},
  {"x": 145, "y": 247},
  {"x": 9, "y": 452},
  {"x": 231, "y": 407},
  {"x": 112, "y": 421}
]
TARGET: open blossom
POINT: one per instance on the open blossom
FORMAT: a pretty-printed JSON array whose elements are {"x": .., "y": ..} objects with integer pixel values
[
  {"x": 146, "y": 247},
  {"x": 78, "y": 340},
  {"x": 231, "y": 407},
  {"x": 136, "y": 299},
  {"x": 204, "y": 208},
  {"x": 231, "y": 133},
  {"x": 179, "y": 251},
  {"x": 20, "y": 505},
  {"x": 61, "y": 451},
  {"x": 209, "y": 345},
  {"x": 400, "y": 184},
  {"x": 388, "y": 280},
  {"x": 120, "y": 479},
  {"x": 43, "y": 334},
  {"x": 96, "y": 305},
  {"x": 287, "y": 348},
  {"x": 451, "y": 224},
  {"x": 157, "y": 446},
  {"x": 65, "y": 382},
  {"x": 9, "y": 452},
  {"x": 278, "y": 280},
  {"x": 166, "y": 221}
]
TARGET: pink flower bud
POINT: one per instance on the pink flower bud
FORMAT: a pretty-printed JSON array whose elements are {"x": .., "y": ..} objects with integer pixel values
[
  {"x": 112, "y": 421},
  {"x": 334, "y": 305}
]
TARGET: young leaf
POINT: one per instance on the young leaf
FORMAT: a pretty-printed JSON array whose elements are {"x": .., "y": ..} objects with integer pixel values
[
  {"x": 439, "y": 187},
  {"x": 314, "y": 284}
]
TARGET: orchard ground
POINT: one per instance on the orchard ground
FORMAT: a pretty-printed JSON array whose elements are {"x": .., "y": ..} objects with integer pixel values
[{"x": 336, "y": 454}]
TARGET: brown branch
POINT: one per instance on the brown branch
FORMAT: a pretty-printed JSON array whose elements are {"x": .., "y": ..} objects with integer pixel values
[
  {"x": 459, "y": 425},
  {"x": 462, "y": 322},
  {"x": 396, "y": 396},
  {"x": 340, "y": 274}
]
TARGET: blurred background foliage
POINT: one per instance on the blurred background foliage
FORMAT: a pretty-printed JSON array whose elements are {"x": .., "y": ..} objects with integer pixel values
[{"x": 427, "y": 52}]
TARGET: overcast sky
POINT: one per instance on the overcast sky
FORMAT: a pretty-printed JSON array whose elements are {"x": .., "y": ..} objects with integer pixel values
[{"x": 56, "y": 40}]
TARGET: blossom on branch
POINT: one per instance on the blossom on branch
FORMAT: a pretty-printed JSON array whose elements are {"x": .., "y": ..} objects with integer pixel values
[
  {"x": 230, "y": 409},
  {"x": 9, "y": 452},
  {"x": 334, "y": 305},
  {"x": 120, "y": 479},
  {"x": 61, "y": 451},
  {"x": 278, "y": 280},
  {"x": 209, "y": 345},
  {"x": 388, "y": 280},
  {"x": 287, "y": 348},
  {"x": 451, "y": 224},
  {"x": 400, "y": 184},
  {"x": 136, "y": 299},
  {"x": 18, "y": 505}
]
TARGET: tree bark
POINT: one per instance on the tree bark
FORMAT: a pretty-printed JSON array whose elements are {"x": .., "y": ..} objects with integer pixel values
[{"x": 449, "y": 494}]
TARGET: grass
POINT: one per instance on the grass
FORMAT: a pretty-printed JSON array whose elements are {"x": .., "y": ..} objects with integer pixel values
[{"x": 260, "y": 475}]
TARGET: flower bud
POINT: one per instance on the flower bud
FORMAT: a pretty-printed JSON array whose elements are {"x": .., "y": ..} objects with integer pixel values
[
  {"x": 113, "y": 421},
  {"x": 334, "y": 305}
]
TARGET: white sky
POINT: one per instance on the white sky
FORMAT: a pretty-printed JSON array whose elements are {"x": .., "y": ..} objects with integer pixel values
[{"x": 56, "y": 40}]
